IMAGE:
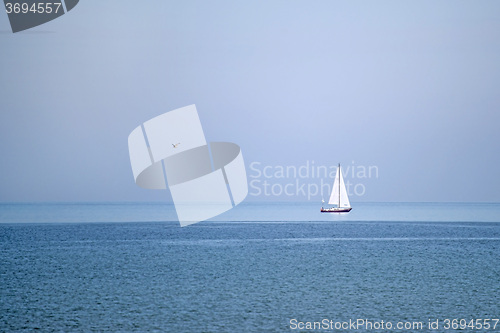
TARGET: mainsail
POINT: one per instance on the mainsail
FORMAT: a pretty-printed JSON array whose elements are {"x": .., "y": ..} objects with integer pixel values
[{"x": 339, "y": 193}]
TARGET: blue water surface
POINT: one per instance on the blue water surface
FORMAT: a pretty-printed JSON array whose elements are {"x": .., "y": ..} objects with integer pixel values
[{"x": 117, "y": 267}]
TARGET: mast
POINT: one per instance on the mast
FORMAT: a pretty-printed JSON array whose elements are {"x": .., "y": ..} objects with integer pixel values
[{"x": 340, "y": 175}]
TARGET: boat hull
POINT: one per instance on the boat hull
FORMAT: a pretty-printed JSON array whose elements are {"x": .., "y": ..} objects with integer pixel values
[{"x": 336, "y": 210}]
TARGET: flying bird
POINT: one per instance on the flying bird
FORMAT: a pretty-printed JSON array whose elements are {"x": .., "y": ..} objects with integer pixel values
[{"x": 175, "y": 146}]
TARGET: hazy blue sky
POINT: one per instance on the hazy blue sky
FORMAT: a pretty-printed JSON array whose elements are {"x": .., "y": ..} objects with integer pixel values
[{"x": 409, "y": 87}]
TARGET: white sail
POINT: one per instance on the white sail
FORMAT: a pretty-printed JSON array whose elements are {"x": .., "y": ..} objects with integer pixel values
[{"x": 339, "y": 192}]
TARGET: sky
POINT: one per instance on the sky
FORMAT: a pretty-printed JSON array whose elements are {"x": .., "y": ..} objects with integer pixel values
[{"x": 409, "y": 88}]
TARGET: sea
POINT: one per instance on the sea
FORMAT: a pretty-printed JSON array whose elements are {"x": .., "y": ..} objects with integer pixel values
[{"x": 261, "y": 267}]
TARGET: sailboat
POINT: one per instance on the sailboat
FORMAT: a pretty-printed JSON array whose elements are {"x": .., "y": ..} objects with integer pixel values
[{"x": 339, "y": 196}]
